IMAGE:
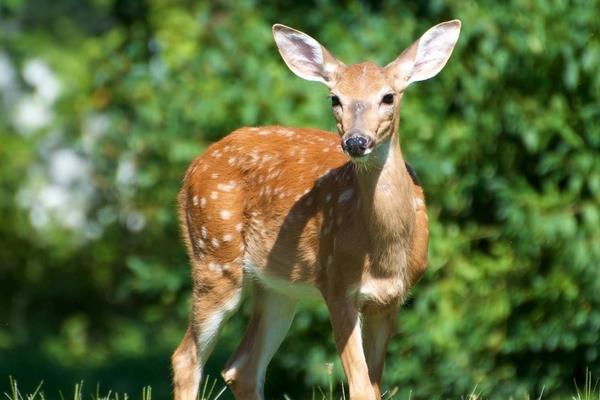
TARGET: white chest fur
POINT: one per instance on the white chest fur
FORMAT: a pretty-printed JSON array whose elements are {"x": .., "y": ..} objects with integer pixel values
[{"x": 382, "y": 291}]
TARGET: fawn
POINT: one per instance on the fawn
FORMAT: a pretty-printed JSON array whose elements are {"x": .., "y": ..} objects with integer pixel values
[{"x": 293, "y": 214}]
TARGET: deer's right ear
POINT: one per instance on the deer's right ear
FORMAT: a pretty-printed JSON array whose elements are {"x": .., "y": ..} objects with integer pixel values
[
  {"x": 305, "y": 56},
  {"x": 425, "y": 57}
]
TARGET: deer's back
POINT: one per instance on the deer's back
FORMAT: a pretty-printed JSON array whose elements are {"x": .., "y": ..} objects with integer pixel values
[{"x": 266, "y": 198}]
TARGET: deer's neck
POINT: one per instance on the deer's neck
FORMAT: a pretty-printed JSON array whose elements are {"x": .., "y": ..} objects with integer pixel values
[{"x": 387, "y": 203}]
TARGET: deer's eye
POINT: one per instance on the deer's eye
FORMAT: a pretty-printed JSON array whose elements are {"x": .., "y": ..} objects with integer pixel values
[
  {"x": 388, "y": 99},
  {"x": 335, "y": 101}
]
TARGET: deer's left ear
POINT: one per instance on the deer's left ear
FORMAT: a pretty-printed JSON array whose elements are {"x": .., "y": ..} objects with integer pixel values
[
  {"x": 305, "y": 56},
  {"x": 425, "y": 57}
]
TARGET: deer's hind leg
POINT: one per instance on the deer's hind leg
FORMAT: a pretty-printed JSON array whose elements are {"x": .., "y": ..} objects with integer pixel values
[
  {"x": 215, "y": 298},
  {"x": 186, "y": 369},
  {"x": 215, "y": 248},
  {"x": 271, "y": 317}
]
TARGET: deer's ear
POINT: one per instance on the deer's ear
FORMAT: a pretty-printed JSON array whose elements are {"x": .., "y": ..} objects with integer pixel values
[
  {"x": 425, "y": 57},
  {"x": 305, "y": 56}
]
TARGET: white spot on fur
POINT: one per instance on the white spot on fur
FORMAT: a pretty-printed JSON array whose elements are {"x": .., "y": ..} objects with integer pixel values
[
  {"x": 195, "y": 201},
  {"x": 225, "y": 214},
  {"x": 238, "y": 227},
  {"x": 215, "y": 243},
  {"x": 285, "y": 132},
  {"x": 203, "y": 232},
  {"x": 201, "y": 244},
  {"x": 418, "y": 202},
  {"x": 214, "y": 195},
  {"x": 202, "y": 202},
  {"x": 227, "y": 237},
  {"x": 224, "y": 187},
  {"x": 346, "y": 195},
  {"x": 214, "y": 175}
]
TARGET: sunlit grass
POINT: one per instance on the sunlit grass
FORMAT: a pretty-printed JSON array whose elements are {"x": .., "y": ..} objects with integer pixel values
[
  {"x": 213, "y": 390},
  {"x": 207, "y": 389},
  {"x": 38, "y": 394},
  {"x": 590, "y": 390}
]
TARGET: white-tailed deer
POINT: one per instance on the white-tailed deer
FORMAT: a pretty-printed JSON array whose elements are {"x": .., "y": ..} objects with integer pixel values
[{"x": 294, "y": 214}]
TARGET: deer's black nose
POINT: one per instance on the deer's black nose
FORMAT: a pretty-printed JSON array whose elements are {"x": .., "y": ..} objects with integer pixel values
[{"x": 356, "y": 145}]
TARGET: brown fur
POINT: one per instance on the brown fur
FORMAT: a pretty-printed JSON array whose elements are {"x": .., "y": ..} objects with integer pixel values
[
  {"x": 285, "y": 193},
  {"x": 288, "y": 209}
]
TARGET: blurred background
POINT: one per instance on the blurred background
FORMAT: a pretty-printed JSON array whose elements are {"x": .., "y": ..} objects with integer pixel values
[{"x": 103, "y": 103}]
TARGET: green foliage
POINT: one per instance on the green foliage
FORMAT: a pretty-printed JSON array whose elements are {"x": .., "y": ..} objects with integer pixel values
[{"x": 93, "y": 278}]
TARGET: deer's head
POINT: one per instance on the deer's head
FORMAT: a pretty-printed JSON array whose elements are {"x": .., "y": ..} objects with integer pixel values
[{"x": 365, "y": 97}]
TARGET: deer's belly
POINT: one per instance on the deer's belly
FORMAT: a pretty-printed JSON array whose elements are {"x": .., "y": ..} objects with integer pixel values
[{"x": 289, "y": 288}]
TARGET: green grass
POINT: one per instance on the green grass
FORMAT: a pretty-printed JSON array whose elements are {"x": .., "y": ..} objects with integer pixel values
[
  {"x": 590, "y": 389},
  {"x": 212, "y": 390},
  {"x": 38, "y": 394}
]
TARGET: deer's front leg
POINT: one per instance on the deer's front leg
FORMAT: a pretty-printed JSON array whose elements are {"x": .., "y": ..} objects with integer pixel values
[
  {"x": 377, "y": 331},
  {"x": 348, "y": 339}
]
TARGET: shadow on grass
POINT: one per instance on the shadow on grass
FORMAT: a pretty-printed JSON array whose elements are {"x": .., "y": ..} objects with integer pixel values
[{"x": 122, "y": 374}]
